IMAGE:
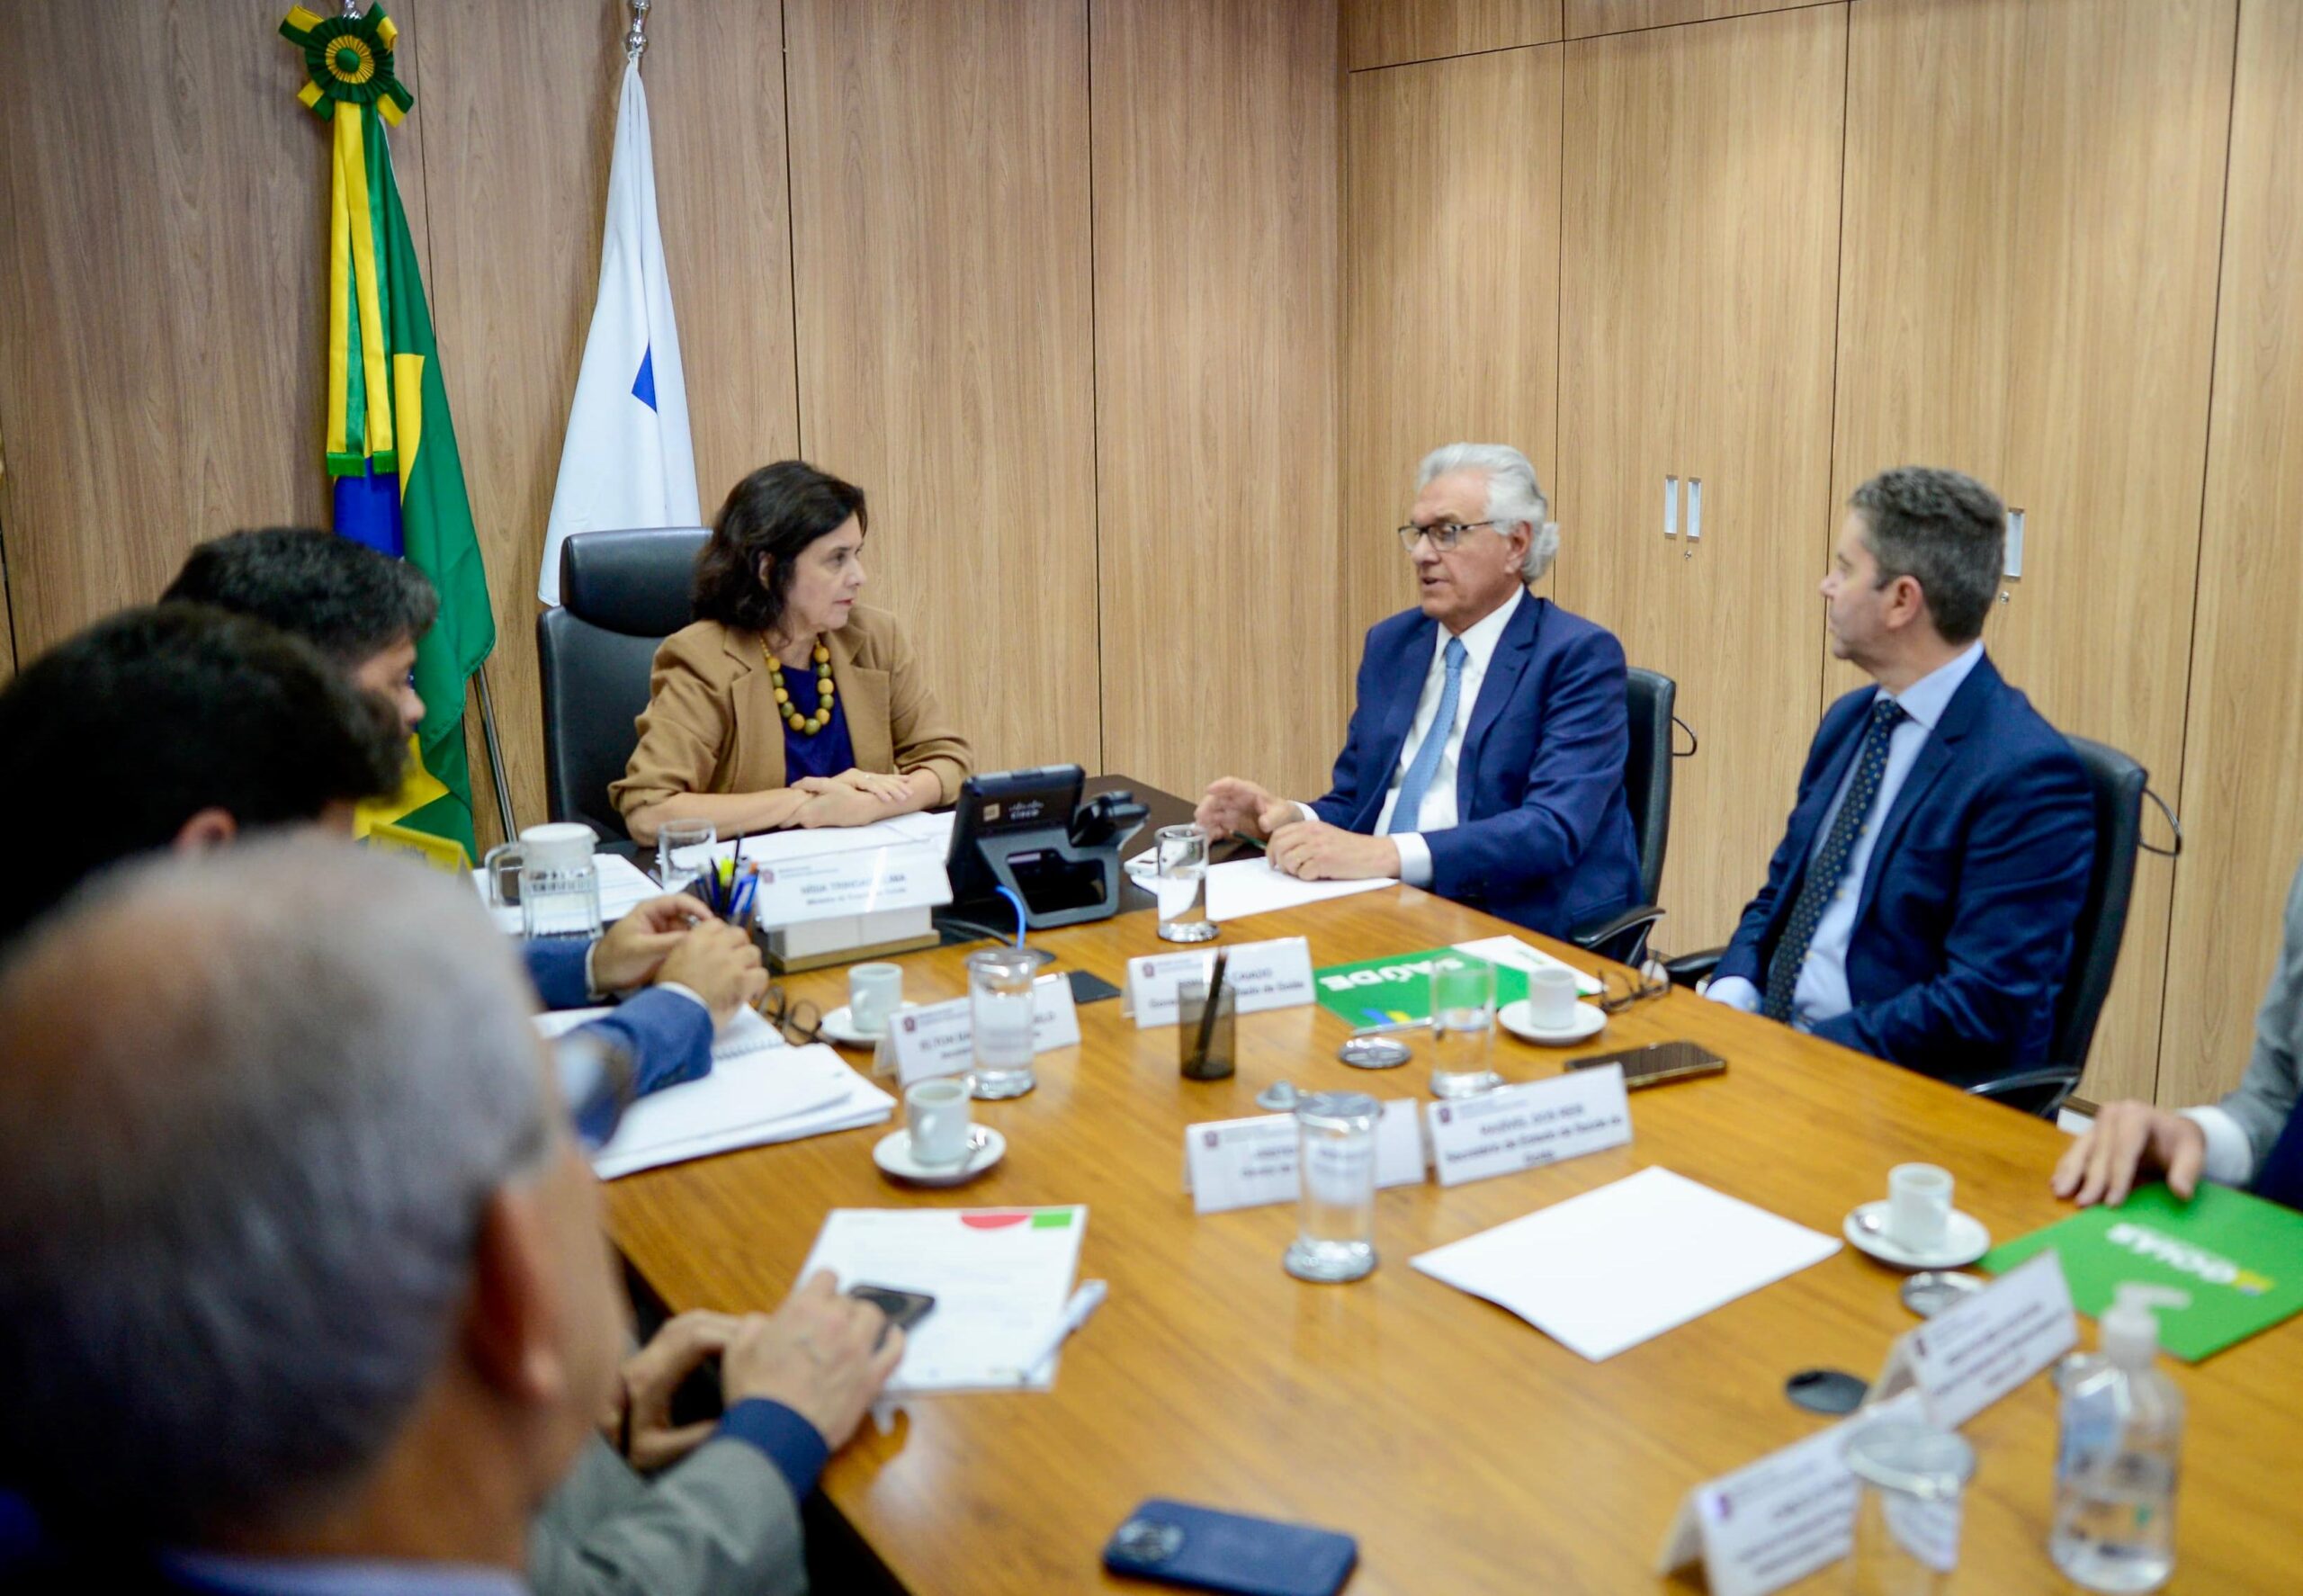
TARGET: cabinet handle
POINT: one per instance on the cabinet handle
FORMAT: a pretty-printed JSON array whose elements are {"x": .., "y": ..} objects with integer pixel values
[
  {"x": 1671, "y": 507},
  {"x": 1694, "y": 509},
  {"x": 2014, "y": 545}
]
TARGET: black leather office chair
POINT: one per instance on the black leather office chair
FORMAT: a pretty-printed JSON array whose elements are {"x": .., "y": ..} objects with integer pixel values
[
  {"x": 1647, "y": 784},
  {"x": 622, "y": 594}
]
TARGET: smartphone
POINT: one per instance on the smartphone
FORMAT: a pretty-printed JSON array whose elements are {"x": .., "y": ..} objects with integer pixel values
[
  {"x": 903, "y": 1308},
  {"x": 1657, "y": 1062},
  {"x": 698, "y": 1398},
  {"x": 1179, "y": 1544},
  {"x": 1088, "y": 987}
]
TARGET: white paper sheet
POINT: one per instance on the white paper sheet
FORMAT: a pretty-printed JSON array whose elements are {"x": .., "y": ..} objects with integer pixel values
[
  {"x": 773, "y": 1095},
  {"x": 1001, "y": 1277},
  {"x": 1251, "y": 886},
  {"x": 1615, "y": 1267},
  {"x": 1512, "y": 953},
  {"x": 624, "y": 887}
]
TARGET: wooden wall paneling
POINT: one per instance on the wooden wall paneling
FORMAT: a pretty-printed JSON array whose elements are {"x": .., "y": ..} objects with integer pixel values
[
  {"x": 2243, "y": 756},
  {"x": 1586, "y": 18},
  {"x": 1388, "y": 32},
  {"x": 1451, "y": 292},
  {"x": 941, "y": 253},
  {"x": 1214, "y": 182},
  {"x": 1701, "y": 221},
  {"x": 162, "y": 292},
  {"x": 2027, "y": 293}
]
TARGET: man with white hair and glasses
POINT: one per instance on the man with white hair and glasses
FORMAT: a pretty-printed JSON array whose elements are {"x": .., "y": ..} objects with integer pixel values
[{"x": 1485, "y": 755}]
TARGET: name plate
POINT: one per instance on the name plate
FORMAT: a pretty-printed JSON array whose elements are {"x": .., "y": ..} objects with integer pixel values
[
  {"x": 1779, "y": 1519},
  {"x": 1243, "y": 1163},
  {"x": 1977, "y": 1351},
  {"x": 860, "y": 881},
  {"x": 1524, "y": 1127},
  {"x": 939, "y": 1038},
  {"x": 1261, "y": 975}
]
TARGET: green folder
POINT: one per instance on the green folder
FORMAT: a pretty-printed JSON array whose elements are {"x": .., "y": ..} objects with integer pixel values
[
  {"x": 2239, "y": 1257},
  {"x": 1397, "y": 987}
]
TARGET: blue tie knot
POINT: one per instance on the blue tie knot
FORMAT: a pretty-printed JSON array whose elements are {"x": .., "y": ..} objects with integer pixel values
[
  {"x": 1455, "y": 655},
  {"x": 1886, "y": 711}
]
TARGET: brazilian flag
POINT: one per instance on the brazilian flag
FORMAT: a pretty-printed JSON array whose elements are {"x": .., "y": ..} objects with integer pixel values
[{"x": 391, "y": 448}]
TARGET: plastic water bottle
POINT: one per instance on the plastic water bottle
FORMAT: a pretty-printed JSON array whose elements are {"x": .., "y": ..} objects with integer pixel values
[{"x": 2122, "y": 1436}]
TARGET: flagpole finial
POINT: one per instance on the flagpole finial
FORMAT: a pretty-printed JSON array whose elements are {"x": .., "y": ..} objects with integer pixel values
[{"x": 635, "y": 43}]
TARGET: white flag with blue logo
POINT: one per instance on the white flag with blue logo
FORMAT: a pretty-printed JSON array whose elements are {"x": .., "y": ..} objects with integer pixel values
[{"x": 628, "y": 462}]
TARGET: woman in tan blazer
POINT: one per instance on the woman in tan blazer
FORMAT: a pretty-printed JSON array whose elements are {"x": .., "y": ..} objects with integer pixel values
[{"x": 787, "y": 703}]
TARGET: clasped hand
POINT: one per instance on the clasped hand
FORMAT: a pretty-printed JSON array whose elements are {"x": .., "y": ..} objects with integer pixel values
[{"x": 851, "y": 798}]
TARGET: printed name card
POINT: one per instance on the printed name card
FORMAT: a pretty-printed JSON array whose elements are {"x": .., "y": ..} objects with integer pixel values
[
  {"x": 860, "y": 881},
  {"x": 1276, "y": 975},
  {"x": 1522, "y": 1127},
  {"x": 939, "y": 1038},
  {"x": 1977, "y": 1351},
  {"x": 1241, "y": 1164},
  {"x": 1779, "y": 1519}
]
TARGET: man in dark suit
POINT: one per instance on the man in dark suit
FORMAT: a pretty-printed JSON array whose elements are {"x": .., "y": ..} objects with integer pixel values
[
  {"x": 1920, "y": 907},
  {"x": 1485, "y": 755}
]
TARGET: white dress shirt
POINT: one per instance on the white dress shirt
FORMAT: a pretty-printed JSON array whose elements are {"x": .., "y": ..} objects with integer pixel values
[
  {"x": 1822, "y": 992},
  {"x": 1440, "y": 811},
  {"x": 2230, "y": 1156}
]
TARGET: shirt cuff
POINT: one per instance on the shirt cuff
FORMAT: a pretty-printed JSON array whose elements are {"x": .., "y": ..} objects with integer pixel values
[
  {"x": 1305, "y": 809},
  {"x": 790, "y": 1442},
  {"x": 1415, "y": 858},
  {"x": 2230, "y": 1156},
  {"x": 591, "y": 987},
  {"x": 690, "y": 993},
  {"x": 1735, "y": 992}
]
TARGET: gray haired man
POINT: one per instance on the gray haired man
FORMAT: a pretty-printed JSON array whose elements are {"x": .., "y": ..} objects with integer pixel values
[{"x": 301, "y": 1280}]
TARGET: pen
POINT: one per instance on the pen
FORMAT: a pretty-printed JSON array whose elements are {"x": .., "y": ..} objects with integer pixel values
[{"x": 1084, "y": 1302}]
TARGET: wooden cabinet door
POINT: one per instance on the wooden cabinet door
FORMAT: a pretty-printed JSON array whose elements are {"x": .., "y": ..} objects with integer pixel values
[
  {"x": 2242, "y": 746},
  {"x": 1585, "y": 18},
  {"x": 1388, "y": 32},
  {"x": 2026, "y": 293},
  {"x": 1451, "y": 292},
  {"x": 1701, "y": 228}
]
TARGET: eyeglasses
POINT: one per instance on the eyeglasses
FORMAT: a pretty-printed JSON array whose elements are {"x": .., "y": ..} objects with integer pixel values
[
  {"x": 801, "y": 1022},
  {"x": 1444, "y": 534},
  {"x": 1637, "y": 989}
]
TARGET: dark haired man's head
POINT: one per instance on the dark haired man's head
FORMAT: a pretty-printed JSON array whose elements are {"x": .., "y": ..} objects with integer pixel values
[
  {"x": 1915, "y": 571},
  {"x": 744, "y": 576},
  {"x": 177, "y": 725},
  {"x": 361, "y": 609}
]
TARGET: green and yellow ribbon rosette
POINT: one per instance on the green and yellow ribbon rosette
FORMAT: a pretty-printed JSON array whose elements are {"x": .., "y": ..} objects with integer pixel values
[{"x": 349, "y": 59}]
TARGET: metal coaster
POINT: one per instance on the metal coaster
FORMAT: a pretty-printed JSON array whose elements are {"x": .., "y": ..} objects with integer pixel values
[
  {"x": 1373, "y": 1053},
  {"x": 1930, "y": 1293},
  {"x": 1279, "y": 1097},
  {"x": 1826, "y": 1390}
]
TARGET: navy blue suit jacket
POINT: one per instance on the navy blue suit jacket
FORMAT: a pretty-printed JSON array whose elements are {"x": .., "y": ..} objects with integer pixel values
[
  {"x": 1963, "y": 930},
  {"x": 668, "y": 1037},
  {"x": 1544, "y": 836}
]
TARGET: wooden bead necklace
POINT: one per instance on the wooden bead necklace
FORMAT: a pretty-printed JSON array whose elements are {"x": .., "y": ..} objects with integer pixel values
[{"x": 805, "y": 725}]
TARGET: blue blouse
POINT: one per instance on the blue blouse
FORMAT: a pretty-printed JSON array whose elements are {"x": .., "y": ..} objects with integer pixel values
[{"x": 830, "y": 751}]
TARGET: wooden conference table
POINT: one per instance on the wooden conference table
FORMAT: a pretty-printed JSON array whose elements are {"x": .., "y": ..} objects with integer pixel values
[{"x": 1467, "y": 1451}]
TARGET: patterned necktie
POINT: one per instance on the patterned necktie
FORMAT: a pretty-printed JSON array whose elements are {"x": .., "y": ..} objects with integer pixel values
[
  {"x": 1823, "y": 872},
  {"x": 1426, "y": 763}
]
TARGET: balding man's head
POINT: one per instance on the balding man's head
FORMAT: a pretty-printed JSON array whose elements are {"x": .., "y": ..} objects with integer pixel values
[{"x": 264, "y": 1106}]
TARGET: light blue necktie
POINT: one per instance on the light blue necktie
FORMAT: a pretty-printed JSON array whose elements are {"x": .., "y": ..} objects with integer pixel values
[{"x": 1426, "y": 763}]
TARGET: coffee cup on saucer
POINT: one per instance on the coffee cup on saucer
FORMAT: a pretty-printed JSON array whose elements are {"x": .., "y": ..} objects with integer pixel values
[
  {"x": 939, "y": 1112},
  {"x": 1551, "y": 998},
  {"x": 1919, "y": 1206},
  {"x": 873, "y": 992}
]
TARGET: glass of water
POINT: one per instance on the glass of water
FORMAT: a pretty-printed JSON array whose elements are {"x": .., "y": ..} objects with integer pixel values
[
  {"x": 682, "y": 854},
  {"x": 1913, "y": 1478},
  {"x": 1335, "y": 1159},
  {"x": 1181, "y": 886},
  {"x": 999, "y": 1008},
  {"x": 1462, "y": 1026}
]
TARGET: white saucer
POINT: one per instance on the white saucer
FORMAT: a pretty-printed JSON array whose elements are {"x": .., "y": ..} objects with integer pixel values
[
  {"x": 1518, "y": 1019},
  {"x": 1965, "y": 1239},
  {"x": 839, "y": 1026},
  {"x": 892, "y": 1153}
]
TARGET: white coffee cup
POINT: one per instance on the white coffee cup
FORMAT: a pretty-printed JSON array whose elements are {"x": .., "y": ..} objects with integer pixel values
[
  {"x": 1918, "y": 1205},
  {"x": 938, "y": 1113},
  {"x": 874, "y": 990},
  {"x": 1551, "y": 998}
]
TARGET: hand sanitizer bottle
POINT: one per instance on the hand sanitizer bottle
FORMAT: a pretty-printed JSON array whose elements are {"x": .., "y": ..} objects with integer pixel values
[{"x": 2115, "y": 1471}]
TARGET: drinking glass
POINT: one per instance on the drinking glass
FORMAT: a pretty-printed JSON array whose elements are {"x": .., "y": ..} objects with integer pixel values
[
  {"x": 1462, "y": 1026},
  {"x": 1912, "y": 1476},
  {"x": 682, "y": 853},
  {"x": 999, "y": 1008},
  {"x": 1181, "y": 886},
  {"x": 1335, "y": 1158}
]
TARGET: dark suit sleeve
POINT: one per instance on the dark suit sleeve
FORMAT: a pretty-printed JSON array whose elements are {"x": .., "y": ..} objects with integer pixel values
[
  {"x": 2023, "y": 875},
  {"x": 1584, "y": 737},
  {"x": 556, "y": 964},
  {"x": 1743, "y": 949},
  {"x": 1348, "y": 787},
  {"x": 667, "y": 1035}
]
